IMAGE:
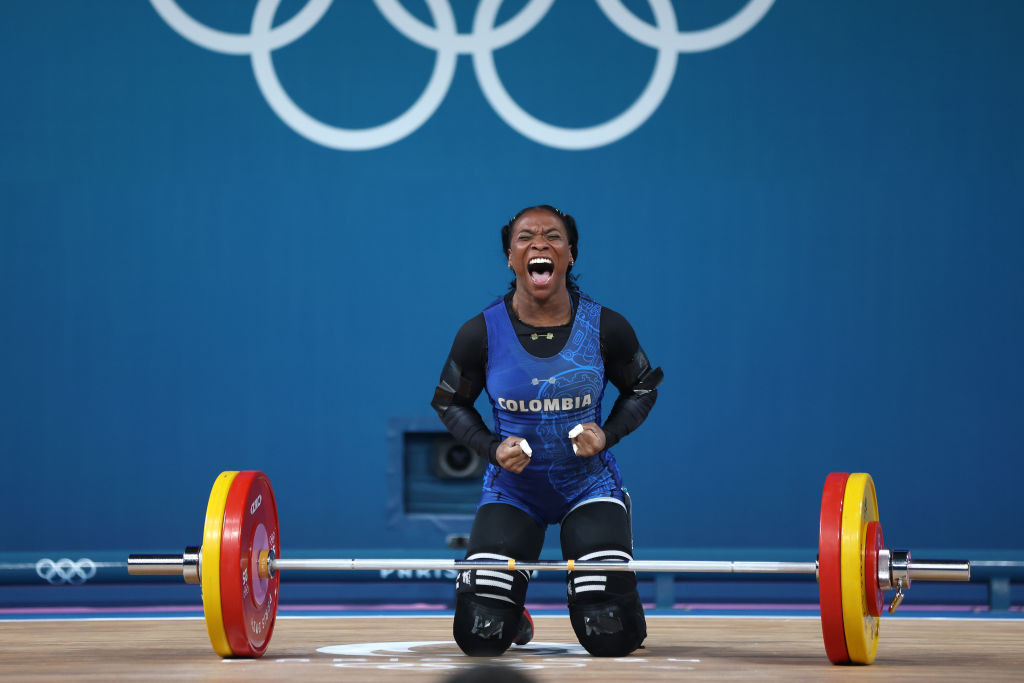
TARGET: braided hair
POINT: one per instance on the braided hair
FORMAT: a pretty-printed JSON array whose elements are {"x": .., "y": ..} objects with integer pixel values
[{"x": 570, "y": 227}]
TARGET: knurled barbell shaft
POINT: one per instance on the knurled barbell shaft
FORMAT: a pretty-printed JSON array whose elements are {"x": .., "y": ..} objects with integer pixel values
[
  {"x": 919, "y": 570},
  {"x": 685, "y": 567},
  {"x": 153, "y": 565}
]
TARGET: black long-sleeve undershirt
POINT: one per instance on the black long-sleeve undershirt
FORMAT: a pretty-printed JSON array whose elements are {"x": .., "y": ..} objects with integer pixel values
[{"x": 619, "y": 346}]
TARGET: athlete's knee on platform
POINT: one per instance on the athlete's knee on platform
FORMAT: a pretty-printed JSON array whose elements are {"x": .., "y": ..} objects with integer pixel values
[
  {"x": 485, "y": 627},
  {"x": 488, "y": 608},
  {"x": 605, "y": 610},
  {"x": 612, "y": 627}
]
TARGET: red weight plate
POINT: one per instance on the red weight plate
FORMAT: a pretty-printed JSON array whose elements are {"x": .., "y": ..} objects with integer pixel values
[
  {"x": 249, "y": 602},
  {"x": 830, "y": 587},
  {"x": 873, "y": 542}
]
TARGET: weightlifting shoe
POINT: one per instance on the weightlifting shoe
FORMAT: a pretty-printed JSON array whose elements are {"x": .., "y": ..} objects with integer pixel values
[{"x": 525, "y": 633}]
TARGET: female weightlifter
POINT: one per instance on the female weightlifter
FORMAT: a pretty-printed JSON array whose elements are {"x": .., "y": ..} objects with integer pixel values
[{"x": 545, "y": 352}]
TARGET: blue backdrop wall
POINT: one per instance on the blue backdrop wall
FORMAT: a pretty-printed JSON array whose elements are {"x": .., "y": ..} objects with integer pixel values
[{"x": 225, "y": 245}]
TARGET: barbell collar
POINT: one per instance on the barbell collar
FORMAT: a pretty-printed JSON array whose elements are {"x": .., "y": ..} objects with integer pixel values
[{"x": 899, "y": 562}]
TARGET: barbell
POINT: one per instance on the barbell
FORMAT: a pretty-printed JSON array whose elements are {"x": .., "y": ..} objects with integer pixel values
[{"x": 238, "y": 566}]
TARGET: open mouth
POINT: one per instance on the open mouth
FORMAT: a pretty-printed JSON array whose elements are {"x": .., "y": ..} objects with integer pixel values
[{"x": 540, "y": 270}]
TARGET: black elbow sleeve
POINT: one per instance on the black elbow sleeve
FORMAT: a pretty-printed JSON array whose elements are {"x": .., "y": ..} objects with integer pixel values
[{"x": 448, "y": 387}]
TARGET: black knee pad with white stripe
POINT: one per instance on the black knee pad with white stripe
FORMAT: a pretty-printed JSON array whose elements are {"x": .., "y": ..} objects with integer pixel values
[
  {"x": 604, "y": 607},
  {"x": 500, "y": 585},
  {"x": 489, "y": 604},
  {"x": 593, "y": 586}
]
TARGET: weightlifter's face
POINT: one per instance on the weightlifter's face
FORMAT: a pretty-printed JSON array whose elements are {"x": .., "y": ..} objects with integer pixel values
[{"x": 539, "y": 253}]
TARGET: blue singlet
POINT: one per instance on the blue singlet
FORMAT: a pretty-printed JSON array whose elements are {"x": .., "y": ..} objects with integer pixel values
[{"x": 540, "y": 400}]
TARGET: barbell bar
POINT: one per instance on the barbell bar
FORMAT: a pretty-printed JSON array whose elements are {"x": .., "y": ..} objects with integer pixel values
[
  {"x": 239, "y": 569},
  {"x": 187, "y": 565}
]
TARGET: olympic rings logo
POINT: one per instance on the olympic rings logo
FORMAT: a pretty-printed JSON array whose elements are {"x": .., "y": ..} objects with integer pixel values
[
  {"x": 66, "y": 570},
  {"x": 263, "y": 38}
]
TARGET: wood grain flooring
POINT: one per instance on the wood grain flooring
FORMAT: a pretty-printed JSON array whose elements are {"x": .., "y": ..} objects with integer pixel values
[{"x": 421, "y": 649}]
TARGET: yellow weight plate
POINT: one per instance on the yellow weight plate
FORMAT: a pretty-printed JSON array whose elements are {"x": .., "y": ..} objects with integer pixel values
[
  {"x": 211, "y": 563},
  {"x": 860, "y": 506}
]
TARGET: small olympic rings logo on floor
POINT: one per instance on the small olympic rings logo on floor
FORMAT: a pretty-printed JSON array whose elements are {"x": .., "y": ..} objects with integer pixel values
[
  {"x": 263, "y": 38},
  {"x": 66, "y": 570}
]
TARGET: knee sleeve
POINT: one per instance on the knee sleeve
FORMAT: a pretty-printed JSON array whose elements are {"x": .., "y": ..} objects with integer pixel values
[
  {"x": 488, "y": 607},
  {"x": 604, "y": 607},
  {"x": 594, "y": 586}
]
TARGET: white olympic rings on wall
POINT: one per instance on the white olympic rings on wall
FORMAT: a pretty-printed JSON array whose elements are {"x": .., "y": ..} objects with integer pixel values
[
  {"x": 263, "y": 38},
  {"x": 66, "y": 570}
]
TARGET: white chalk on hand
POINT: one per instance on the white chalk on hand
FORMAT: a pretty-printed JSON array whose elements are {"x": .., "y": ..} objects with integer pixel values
[
  {"x": 525, "y": 448},
  {"x": 573, "y": 433}
]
